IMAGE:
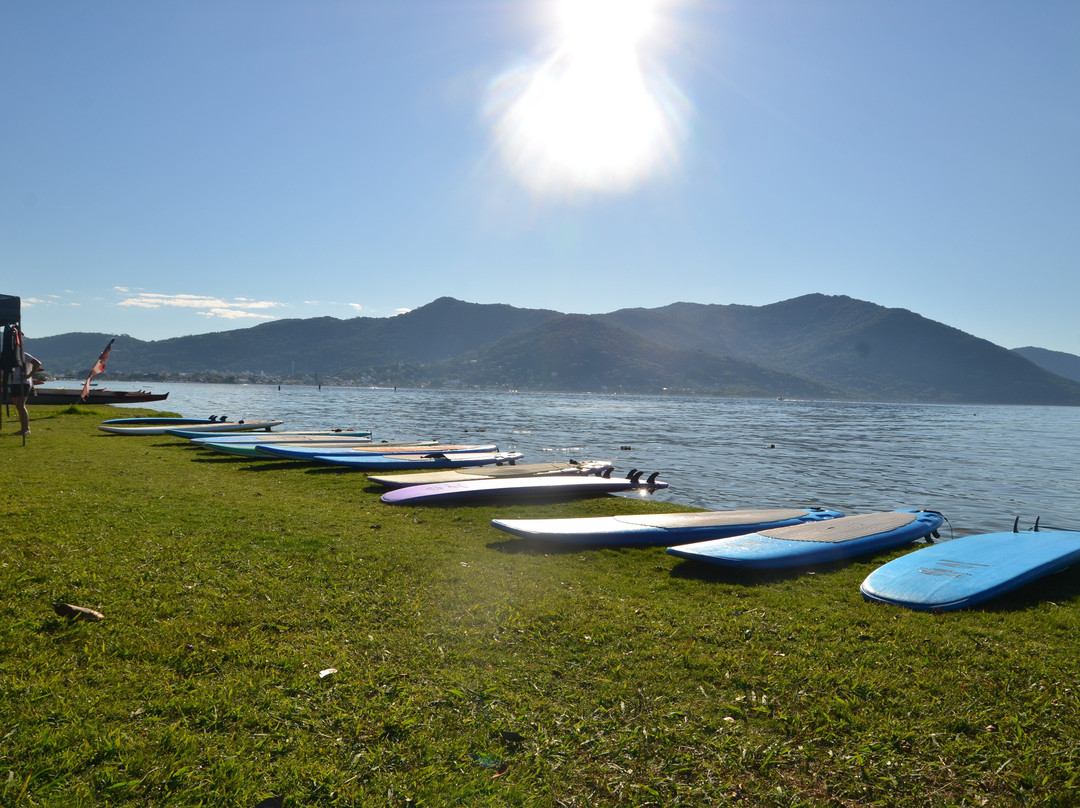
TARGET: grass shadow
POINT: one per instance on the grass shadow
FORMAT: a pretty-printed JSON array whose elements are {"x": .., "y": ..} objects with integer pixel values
[{"x": 705, "y": 572}]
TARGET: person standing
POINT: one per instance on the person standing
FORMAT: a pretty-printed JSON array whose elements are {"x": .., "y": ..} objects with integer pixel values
[{"x": 20, "y": 387}]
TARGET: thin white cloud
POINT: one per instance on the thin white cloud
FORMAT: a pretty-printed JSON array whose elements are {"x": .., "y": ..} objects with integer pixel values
[
  {"x": 356, "y": 306},
  {"x": 402, "y": 311},
  {"x": 233, "y": 314},
  {"x": 235, "y": 309}
]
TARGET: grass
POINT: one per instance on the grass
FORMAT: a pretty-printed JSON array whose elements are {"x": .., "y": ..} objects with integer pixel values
[{"x": 471, "y": 667}]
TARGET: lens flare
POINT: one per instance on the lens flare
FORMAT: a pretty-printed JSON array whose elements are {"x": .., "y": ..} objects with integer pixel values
[{"x": 596, "y": 114}]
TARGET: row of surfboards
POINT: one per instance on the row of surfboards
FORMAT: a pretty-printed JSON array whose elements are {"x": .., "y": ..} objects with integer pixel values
[
  {"x": 944, "y": 576},
  {"x": 939, "y": 577}
]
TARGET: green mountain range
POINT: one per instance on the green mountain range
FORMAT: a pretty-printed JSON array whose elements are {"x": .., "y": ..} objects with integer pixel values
[{"x": 815, "y": 346}]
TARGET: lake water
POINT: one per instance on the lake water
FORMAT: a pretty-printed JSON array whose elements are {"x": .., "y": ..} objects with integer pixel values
[{"x": 981, "y": 466}]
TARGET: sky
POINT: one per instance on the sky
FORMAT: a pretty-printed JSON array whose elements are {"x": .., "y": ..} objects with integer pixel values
[{"x": 178, "y": 168}]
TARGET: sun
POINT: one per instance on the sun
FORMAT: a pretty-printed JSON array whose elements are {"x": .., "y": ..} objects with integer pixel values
[{"x": 589, "y": 116}]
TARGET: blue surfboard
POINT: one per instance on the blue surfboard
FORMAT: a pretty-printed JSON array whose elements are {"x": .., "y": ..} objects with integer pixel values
[
  {"x": 313, "y": 451},
  {"x": 814, "y": 543},
  {"x": 432, "y": 460},
  {"x": 966, "y": 571}
]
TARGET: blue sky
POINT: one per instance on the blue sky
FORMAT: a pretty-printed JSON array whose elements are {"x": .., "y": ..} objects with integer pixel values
[{"x": 177, "y": 168}]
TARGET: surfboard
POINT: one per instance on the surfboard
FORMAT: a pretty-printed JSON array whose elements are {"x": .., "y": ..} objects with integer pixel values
[
  {"x": 251, "y": 448},
  {"x": 520, "y": 488},
  {"x": 814, "y": 543},
  {"x": 174, "y": 421},
  {"x": 655, "y": 529},
  {"x": 194, "y": 433},
  {"x": 216, "y": 426},
  {"x": 432, "y": 460},
  {"x": 319, "y": 450},
  {"x": 557, "y": 467},
  {"x": 970, "y": 570}
]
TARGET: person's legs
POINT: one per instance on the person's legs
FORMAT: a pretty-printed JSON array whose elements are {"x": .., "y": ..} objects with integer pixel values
[{"x": 24, "y": 416}]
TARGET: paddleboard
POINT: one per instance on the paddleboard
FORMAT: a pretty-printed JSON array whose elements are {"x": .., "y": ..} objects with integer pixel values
[
  {"x": 520, "y": 488},
  {"x": 174, "y": 421},
  {"x": 966, "y": 571},
  {"x": 654, "y": 529},
  {"x": 315, "y": 450},
  {"x": 558, "y": 467},
  {"x": 217, "y": 426},
  {"x": 432, "y": 460},
  {"x": 194, "y": 433},
  {"x": 251, "y": 449},
  {"x": 814, "y": 543}
]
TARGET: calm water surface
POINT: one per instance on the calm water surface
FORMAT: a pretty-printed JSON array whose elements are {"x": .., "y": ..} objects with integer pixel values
[{"x": 981, "y": 466}]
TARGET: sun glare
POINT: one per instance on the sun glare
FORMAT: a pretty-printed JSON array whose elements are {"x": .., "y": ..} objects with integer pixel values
[{"x": 589, "y": 116}]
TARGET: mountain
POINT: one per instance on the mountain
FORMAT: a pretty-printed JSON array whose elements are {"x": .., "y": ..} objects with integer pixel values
[
  {"x": 815, "y": 346},
  {"x": 867, "y": 350},
  {"x": 1063, "y": 364},
  {"x": 582, "y": 353}
]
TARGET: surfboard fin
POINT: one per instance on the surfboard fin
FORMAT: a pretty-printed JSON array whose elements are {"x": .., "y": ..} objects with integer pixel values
[
  {"x": 1016, "y": 525},
  {"x": 652, "y": 477},
  {"x": 1036, "y": 527}
]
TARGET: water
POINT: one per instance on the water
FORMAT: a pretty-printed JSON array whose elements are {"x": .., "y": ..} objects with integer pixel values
[{"x": 981, "y": 466}]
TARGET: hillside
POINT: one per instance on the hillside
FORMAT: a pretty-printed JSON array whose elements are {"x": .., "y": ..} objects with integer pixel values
[
  {"x": 867, "y": 350},
  {"x": 816, "y": 346},
  {"x": 1063, "y": 364},
  {"x": 582, "y": 353}
]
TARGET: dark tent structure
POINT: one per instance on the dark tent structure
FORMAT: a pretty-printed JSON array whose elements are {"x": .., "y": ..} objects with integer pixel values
[{"x": 11, "y": 352}]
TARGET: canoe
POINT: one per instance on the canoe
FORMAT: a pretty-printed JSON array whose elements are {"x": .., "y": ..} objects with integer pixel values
[
  {"x": 97, "y": 395},
  {"x": 660, "y": 529},
  {"x": 315, "y": 450},
  {"x": 970, "y": 570},
  {"x": 162, "y": 429},
  {"x": 521, "y": 488},
  {"x": 814, "y": 543},
  {"x": 557, "y": 467},
  {"x": 432, "y": 460}
]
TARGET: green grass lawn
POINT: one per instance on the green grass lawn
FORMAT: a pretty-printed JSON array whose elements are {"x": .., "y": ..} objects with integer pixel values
[{"x": 472, "y": 668}]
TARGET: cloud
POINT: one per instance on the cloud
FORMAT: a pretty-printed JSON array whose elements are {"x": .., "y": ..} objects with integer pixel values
[
  {"x": 233, "y": 314},
  {"x": 235, "y": 309},
  {"x": 402, "y": 311},
  {"x": 356, "y": 306}
]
